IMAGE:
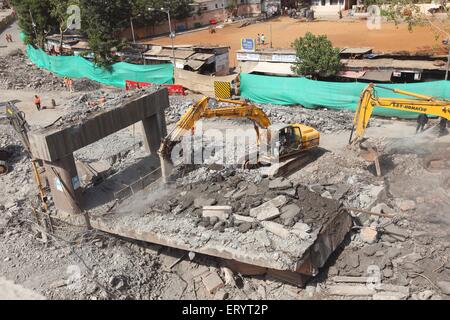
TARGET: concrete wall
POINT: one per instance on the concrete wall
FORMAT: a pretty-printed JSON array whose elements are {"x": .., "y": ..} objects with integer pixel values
[{"x": 178, "y": 25}]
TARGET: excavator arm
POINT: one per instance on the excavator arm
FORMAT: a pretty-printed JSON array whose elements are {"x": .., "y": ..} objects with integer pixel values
[
  {"x": 200, "y": 110},
  {"x": 418, "y": 103}
]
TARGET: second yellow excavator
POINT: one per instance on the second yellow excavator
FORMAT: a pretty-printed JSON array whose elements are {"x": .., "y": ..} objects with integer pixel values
[
  {"x": 280, "y": 141},
  {"x": 418, "y": 103}
]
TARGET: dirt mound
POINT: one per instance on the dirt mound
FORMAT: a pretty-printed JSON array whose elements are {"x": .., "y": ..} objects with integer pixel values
[{"x": 85, "y": 84}]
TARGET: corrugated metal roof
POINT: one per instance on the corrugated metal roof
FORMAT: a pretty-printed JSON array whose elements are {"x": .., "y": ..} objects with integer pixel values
[
  {"x": 202, "y": 56},
  {"x": 351, "y": 74},
  {"x": 195, "y": 64},
  {"x": 391, "y": 63},
  {"x": 179, "y": 54},
  {"x": 382, "y": 75}
]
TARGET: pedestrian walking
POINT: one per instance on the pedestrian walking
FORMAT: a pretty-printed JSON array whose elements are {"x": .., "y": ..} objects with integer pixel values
[
  {"x": 258, "y": 39},
  {"x": 263, "y": 39},
  {"x": 37, "y": 102},
  {"x": 422, "y": 120}
]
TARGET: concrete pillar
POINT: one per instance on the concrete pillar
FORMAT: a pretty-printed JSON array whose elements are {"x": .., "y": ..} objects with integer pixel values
[
  {"x": 65, "y": 184},
  {"x": 154, "y": 128}
]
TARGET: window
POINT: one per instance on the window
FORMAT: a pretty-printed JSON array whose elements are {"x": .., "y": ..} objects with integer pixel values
[
  {"x": 217, "y": 6},
  {"x": 322, "y": 2}
]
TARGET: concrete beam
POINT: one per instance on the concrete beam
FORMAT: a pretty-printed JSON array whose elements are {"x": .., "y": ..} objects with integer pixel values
[{"x": 53, "y": 144}]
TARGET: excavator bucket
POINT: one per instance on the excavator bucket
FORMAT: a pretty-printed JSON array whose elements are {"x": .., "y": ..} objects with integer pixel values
[
  {"x": 363, "y": 113},
  {"x": 371, "y": 154}
]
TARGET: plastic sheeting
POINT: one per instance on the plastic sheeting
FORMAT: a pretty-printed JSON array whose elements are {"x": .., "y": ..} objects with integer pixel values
[
  {"x": 78, "y": 67},
  {"x": 332, "y": 95}
]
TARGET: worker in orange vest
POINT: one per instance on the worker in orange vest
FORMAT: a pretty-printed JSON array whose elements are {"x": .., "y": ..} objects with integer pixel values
[
  {"x": 70, "y": 84},
  {"x": 37, "y": 102}
]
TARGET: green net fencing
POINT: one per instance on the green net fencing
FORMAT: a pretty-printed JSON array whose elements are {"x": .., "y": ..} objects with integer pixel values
[
  {"x": 332, "y": 95},
  {"x": 79, "y": 67}
]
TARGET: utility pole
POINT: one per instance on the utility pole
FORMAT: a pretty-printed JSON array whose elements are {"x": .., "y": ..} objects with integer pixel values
[
  {"x": 33, "y": 24},
  {"x": 448, "y": 64},
  {"x": 172, "y": 36},
  {"x": 132, "y": 30},
  {"x": 271, "y": 38},
  {"x": 445, "y": 42},
  {"x": 224, "y": 12}
]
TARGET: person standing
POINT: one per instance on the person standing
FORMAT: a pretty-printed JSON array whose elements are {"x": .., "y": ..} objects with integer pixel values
[
  {"x": 442, "y": 127},
  {"x": 422, "y": 120},
  {"x": 70, "y": 84},
  {"x": 258, "y": 39},
  {"x": 37, "y": 102},
  {"x": 263, "y": 39}
]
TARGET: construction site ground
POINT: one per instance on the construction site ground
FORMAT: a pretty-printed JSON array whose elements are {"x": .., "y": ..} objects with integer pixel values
[
  {"x": 346, "y": 33},
  {"x": 409, "y": 257}
]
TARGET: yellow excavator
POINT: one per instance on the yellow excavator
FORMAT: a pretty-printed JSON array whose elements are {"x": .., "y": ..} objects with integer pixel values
[
  {"x": 417, "y": 103},
  {"x": 281, "y": 141},
  {"x": 420, "y": 104}
]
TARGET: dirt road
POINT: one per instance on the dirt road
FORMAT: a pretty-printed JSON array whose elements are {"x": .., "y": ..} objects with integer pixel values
[{"x": 341, "y": 33}]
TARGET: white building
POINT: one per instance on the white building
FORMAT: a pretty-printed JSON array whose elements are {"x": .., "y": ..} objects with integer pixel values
[{"x": 331, "y": 7}]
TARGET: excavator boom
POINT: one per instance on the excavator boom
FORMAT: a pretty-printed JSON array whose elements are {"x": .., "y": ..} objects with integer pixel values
[
  {"x": 200, "y": 110},
  {"x": 297, "y": 137},
  {"x": 422, "y": 104}
]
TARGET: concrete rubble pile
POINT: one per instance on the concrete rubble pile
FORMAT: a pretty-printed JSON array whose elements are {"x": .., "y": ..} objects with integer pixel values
[
  {"x": 326, "y": 121},
  {"x": 18, "y": 73},
  {"x": 84, "y": 105}
]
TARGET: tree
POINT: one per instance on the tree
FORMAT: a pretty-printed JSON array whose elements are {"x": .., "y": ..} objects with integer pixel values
[
  {"x": 102, "y": 21},
  {"x": 179, "y": 9},
  {"x": 35, "y": 20},
  {"x": 58, "y": 10},
  {"x": 315, "y": 56}
]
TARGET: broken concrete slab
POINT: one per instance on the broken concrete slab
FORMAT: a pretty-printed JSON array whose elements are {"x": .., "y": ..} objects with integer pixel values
[
  {"x": 221, "y": 212},
  {"x": 267, "y": 208},
  {"x": 288, "y": 213},
  {"x": 244, "y": 227},
  {"x": 387, "y": 295},
  {"x": 212, "y": 282},
  {"x": 396, "y": 232},
  {"x": 202, "y": 202},
  {"x": 280, "y": 184},
  {"x": 350, "y": 290},
  {"x": 393, "y": 288},
  {"x": 276, "y": 229},
  {"x": 444, "y": 286},
  {"x": 406, "y": 205},
  {"x": 269, "y": 213},
  {"x": 244, "y": 218},
  {"x": 347, "y": 279}
]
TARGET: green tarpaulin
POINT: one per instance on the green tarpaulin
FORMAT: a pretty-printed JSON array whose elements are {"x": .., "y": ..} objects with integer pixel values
[
  {"x": 332, "y": 95},
  {"x": 78, "y": 67}
]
